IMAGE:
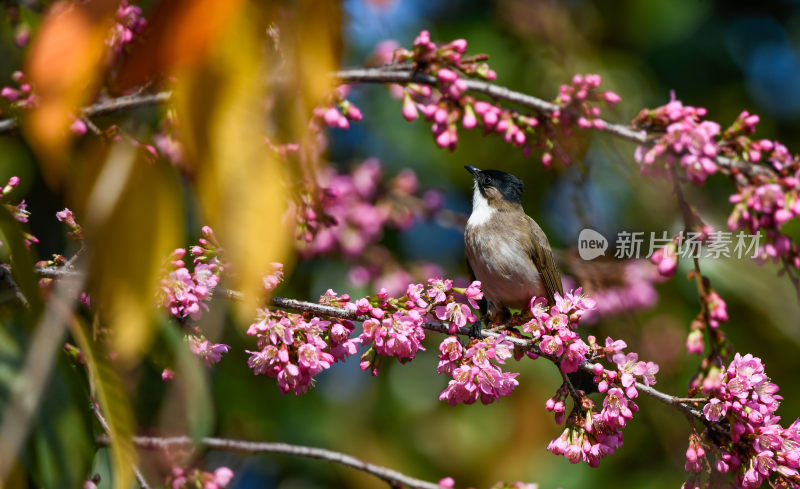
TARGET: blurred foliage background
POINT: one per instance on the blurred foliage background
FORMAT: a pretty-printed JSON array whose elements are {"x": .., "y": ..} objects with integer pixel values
[{"x": 725, "y": 56}]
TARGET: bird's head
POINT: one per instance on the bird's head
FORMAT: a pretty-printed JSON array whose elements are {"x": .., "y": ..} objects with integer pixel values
[{"x": 497, "y": 187}]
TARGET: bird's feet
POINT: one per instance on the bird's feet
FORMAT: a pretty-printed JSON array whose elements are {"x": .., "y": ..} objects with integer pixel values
[
  {"x": 475, "y": 328},
  {"x": 493, "y": 321}
]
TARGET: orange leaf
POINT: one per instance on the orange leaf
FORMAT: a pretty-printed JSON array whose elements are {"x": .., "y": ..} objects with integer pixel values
[
  {"x": 179, "y": 36},
  {"x": 63, "y": 66}
]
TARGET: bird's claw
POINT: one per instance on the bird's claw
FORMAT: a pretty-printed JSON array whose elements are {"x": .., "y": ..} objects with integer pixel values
[{"x": 475, "y": 329}]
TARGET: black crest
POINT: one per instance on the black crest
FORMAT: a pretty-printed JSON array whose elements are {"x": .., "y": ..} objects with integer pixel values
[{"x": 509, "y": 186}]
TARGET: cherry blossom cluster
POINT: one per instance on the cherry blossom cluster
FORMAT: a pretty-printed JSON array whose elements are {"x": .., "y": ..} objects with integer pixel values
[
  {"x": 204, "y": 349},
  {"x": 348, "y": 211},
  {"x": 445, "y": 108},
  {"x": 75, "y": 230},
  {"x": 22, "y": 96},
  {"x": 448, "y": 106},
  {"x": 475, "y": 370},
  {"x": 687, "y": 140},
  {"x": 19, "y": 211},
  {"x": 742, "y": 405},
  {"x": 666, "y": 258},
  {"x": 294, "y": 348},
  {"x": 589, "y": 435},
  {"x": 396, "y": 326},
  {"x": 764, "y": 202},
  {"x": 193, "y": 478},
  {"x": 128, "y": 22},
  {"x": 577, "y": 106},
  {"x": 184, "y": 293},
  {"x": 575, "y": 101},
  {"x": 714, "y": 312},
  {"x": 765, "y": 199},
  {"x": 554, "y": 328},
  {"x": 426, "y": 54},
  {"x": 767, "y": 204},
  {"x": 684, "y": 244},
  {"x": 336, "y": 112},
  {"x": 166, "y": 142},
  {"x": 57, "y": 260}
]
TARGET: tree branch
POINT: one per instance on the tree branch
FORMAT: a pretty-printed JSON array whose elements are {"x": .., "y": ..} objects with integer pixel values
[
  {"x": 342, "y": 313},
  {"x": 393, "y": 74},
  {"x": 392, "y": 477},
  {"x": 525, "y": 344},
  {"x": 403, "y": 75},
  {"x": 118, "y": 104},
  {"x": 5, "y": 276}
]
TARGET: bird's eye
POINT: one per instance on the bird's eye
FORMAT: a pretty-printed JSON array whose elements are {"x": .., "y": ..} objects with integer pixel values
[{"x": 485, "y": 180}]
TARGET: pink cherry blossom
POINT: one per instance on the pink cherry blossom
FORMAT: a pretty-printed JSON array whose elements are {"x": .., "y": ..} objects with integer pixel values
[{"x": 210, "y": 352}]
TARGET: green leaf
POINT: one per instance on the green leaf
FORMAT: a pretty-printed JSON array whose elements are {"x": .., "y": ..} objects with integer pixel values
[
  {"x": 190, "y": 376},
  {"x": 791, "y": 228},
  {"x": 62, "y": 447}
]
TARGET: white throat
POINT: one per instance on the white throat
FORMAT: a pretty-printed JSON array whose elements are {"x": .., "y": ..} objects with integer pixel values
[{"x": 481, "y": 210}]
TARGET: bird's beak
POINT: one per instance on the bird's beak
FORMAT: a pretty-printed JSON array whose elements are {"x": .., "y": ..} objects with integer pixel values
[{"x": 475, "y": 172}]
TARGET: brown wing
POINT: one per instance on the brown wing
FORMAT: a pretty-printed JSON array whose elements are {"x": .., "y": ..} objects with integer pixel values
[{"x": 542, "y": 257}]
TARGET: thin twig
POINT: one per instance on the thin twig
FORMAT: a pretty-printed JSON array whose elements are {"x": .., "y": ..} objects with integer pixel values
[
  {"x": 92, "y": 126},
  {"x": 118, "y": 104},
  {"x": 5, "y": 276},
  {"x": 392, "y": 477},
  {"x": 689, "y": 217},
  {"x": 692, "y": 399},
  {"x": 58, "y": 272},
  {"x": 571, "y": 388},
  {"x": 107, "y": 429}
]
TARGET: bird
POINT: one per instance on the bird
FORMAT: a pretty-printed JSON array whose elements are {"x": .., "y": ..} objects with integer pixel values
[{"x": 506, "y": 250}]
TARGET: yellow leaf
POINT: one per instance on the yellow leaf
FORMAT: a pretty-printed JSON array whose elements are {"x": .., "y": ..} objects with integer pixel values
[
  {"x": 318, "y": 45},
  {"x": 107, "y": 389},
  {"x": 132, "y": 222},
  {"x": 240, "y": 184}
]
